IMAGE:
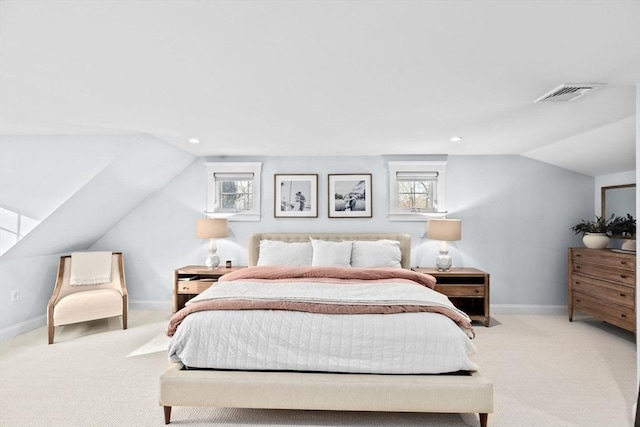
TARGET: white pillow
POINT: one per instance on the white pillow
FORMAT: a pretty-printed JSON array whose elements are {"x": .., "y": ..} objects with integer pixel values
[
  {"x": 377, "y": 253},
  {"x": 274, "y": 252},
  {"x": 331, "y": 254}
]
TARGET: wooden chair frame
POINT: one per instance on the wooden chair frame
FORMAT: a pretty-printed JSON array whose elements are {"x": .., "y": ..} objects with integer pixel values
[{"x": 60, "y": 282}]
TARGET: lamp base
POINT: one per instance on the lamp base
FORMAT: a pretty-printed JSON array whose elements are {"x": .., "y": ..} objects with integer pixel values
[
  {"x": 443, "y": 260},
  {"x": 213, "y": 260}
]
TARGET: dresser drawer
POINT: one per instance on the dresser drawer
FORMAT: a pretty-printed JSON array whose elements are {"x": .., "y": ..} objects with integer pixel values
[
  {"x": 618, "y": 275},
  {"x": 193, "y": 286},
  {"x": 461, "y": 290},
  {"x": 604, "y": 257},
  {"x": 609, "y": 292},
  {"x": 614, "y": 314}
]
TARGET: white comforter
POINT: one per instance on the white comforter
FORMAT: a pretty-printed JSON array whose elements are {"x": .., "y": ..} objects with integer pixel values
[{"x": 401, "y": 343}]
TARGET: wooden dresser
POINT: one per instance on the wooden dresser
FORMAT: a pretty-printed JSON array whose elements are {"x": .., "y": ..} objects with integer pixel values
[{"x": 602, "y": 284}]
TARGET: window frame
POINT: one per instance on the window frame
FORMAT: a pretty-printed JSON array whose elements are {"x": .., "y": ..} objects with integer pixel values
[
  {"x": 438, "y": 167},
  {"x": 213, "y": 197},
  {"x": 19, "y": 230}
]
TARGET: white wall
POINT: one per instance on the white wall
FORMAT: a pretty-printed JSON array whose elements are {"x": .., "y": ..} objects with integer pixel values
[
  {"x": 516, "y": 212},
  {"x": 39, "y": 173},
  {"x": 107, "y": 188}
]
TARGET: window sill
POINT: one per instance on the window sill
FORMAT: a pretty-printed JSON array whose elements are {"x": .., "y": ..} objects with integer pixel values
[
  {"x": 411, "y": 216},
  {"x": 234, "y": 217}
]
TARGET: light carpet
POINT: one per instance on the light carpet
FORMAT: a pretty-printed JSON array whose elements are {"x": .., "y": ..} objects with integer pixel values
[
  {"x": 157, "y": 344},
  {"x": 546, "y": 371}
]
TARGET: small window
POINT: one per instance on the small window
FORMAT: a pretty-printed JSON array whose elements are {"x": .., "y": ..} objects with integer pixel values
[
  {"x": 416, "y": 189},
  {"x": 13, "y": 227},
  {"x": 416, "y": 192},
  {"x": 234, "y": 188}
]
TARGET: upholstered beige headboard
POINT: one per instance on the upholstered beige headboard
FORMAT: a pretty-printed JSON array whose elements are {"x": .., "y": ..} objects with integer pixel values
[{"x": 404, "y": 239}]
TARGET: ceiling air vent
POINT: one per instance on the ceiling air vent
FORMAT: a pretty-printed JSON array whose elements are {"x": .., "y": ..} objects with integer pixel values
[{"x": 568, "y": 92}]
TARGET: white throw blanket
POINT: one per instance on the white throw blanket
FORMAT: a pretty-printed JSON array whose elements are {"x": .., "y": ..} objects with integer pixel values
[{"x": 90, "y": 268}]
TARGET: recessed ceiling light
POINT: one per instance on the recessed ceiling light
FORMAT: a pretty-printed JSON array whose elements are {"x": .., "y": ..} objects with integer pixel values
[
  {"x": 456, "y": 138},
  {"x": 194, "y": 140}
]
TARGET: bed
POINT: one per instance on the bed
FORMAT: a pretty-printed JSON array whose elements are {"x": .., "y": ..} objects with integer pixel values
[{"x": 397, "y": 382}]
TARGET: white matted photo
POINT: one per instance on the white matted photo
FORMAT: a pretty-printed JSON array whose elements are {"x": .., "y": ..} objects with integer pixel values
[
  {"x": 350, "y": 196},
  {"x": 296, "y": 196}
]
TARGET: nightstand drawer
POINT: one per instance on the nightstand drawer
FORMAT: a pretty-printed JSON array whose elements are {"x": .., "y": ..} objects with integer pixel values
[
  {"x": 194, "y": 279},
  {"x": 466, "y": 287},
  {"x": 461, "y": 290},
  {"x": 194, "y": 286}
]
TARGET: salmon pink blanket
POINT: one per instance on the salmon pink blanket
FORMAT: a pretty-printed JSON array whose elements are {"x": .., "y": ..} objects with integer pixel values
[
  {"x": 326, "y": 290},
  {"x": 343, "y": 273}
]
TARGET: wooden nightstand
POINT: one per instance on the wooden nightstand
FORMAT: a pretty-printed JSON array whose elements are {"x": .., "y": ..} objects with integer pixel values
[
  {"x": 467, "y": 288},
  {"x": 189, "y": 281}
]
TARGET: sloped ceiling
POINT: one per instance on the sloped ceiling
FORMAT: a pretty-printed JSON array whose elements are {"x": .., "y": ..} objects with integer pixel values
[
  {"x": 339, "y": 77},
  {"x": 99, "y": 198}
]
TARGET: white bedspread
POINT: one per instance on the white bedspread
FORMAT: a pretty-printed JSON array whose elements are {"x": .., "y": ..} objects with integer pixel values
[{"x": 401, "y": 343}]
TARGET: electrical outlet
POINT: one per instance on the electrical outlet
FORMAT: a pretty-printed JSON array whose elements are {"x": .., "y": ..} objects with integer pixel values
[{"x": 15, "y": 295}]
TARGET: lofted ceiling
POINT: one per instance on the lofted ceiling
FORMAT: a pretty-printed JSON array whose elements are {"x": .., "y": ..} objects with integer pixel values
[{"x": 329, "y": 77}]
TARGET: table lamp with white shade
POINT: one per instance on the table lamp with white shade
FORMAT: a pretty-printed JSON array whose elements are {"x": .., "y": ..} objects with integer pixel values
[
  {"x": 212, "y": 229},
  {"x": 445, "y": 230}
]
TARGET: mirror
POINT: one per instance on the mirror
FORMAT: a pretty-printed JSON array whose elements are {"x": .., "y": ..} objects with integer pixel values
[{"x": 618, "y": 200}]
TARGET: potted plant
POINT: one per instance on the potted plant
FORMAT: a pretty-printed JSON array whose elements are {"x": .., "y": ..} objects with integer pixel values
[
  {"x": 624, "y": 226},
  {"x": 595, "y": 232}
]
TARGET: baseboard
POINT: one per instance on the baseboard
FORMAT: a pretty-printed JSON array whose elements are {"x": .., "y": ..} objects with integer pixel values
[
  {"x": 22, "y": 327},
  {"x": 40, "y": 321},
  {"x": 528, "y": 309},
  {"x": 162, "y": 305}
]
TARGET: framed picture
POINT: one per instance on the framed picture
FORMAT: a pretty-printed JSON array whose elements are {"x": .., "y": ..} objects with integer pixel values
[
  {"x": 350, "y": 196},
  {"x": 295, "y": 196}
]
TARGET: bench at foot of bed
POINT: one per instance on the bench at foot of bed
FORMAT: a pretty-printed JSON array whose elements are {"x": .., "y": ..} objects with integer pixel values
[
  {"x": 323, "y": 391},
  {"x": 167, "y": 417}
]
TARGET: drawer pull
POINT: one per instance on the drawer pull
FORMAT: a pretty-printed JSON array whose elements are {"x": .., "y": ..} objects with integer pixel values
[
  {"x": 578, "y": 300},
  {"x": 623, "y": 295},
  {"x": 623, "y": 315},
  {"x": 578, "y": 255},
  {"x": 622, "y": 276},
  {"x": 623, "y": 262},
  {"x": 184, "y": 288}
]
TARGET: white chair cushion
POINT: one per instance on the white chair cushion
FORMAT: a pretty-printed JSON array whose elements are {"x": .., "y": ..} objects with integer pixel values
[{"x": 87, "y": 305}]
